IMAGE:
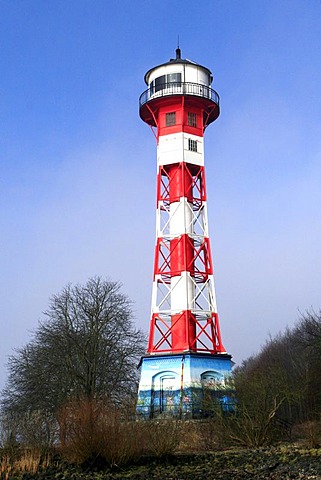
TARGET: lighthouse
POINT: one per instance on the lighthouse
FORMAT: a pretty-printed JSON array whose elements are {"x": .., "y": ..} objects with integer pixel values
[{"x": 186, "y": 370}]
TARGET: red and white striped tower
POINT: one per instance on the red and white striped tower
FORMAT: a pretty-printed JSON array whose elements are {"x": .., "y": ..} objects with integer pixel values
[{"x": 178, "y": 105}]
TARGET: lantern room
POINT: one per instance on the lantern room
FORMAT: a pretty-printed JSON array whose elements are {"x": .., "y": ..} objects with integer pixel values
[{"x": 179, "y": 77}]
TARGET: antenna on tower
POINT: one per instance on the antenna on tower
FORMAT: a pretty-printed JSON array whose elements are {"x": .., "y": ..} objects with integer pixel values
[{"x": 178, "y": 50}]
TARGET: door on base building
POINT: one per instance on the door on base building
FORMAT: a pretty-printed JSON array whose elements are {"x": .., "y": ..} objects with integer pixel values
[
  {"x": 165, "y": 393},
  {"x": 168, "y": 394},
  {"x": 212, "y": 385}
]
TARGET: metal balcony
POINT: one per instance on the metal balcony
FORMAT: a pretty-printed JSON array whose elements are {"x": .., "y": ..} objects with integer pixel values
[{"x": 181, "y": 88}]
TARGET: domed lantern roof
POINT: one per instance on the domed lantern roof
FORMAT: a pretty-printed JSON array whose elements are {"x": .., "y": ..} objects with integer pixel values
[{"x": 191, "y": 71}]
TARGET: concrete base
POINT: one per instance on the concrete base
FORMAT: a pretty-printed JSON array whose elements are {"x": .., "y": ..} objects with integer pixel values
[{"x": 185, "y": 386}]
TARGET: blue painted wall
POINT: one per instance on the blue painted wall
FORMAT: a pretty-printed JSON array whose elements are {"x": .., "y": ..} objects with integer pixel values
[{"x": 184, "y": 385}]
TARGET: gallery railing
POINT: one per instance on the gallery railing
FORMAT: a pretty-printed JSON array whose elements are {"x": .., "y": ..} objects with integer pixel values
[{"x": 179, "y": 88}]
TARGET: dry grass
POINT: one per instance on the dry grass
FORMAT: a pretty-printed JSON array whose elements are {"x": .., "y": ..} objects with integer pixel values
[
  {"x": 26, "y": 460},
  {"x": 6, "y": 467}
]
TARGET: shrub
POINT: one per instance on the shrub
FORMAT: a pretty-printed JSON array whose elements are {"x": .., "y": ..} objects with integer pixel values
[
  {"x": 310, "y": 433},
  {"x": 97, "y": 432},
  {"x": 162, "y": 436}
]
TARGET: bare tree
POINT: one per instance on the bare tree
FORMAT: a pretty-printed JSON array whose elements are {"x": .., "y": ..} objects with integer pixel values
[
  {"x": 308, "y": 334},
  {"x": 87, "y": 346}
]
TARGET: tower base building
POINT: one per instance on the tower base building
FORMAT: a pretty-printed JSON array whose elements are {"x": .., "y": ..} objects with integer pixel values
[
  {"x": 189, "y": 385},
  {"x": 186, "y": 371}
]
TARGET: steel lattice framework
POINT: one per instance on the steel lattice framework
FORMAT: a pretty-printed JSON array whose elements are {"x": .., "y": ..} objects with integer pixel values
[{"x": 183, "y": 261}]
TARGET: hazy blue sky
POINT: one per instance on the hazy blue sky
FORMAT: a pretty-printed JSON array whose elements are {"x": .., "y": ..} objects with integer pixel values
[{"x": 77, "y": 165}]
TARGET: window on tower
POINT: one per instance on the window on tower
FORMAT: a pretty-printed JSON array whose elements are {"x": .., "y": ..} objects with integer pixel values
[
  {"x": 160, "y": 83},
  {"x": 171, "y": 80},
  {"x": 170, "y": 119},
  {"x": 192, "y": 145},
  {"x": 191, "y": 119},
  {"x": 174, "y": 78}
]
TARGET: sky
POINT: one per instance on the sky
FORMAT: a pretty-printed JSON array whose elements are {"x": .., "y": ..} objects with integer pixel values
[{"x": 78, "y": 166}]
